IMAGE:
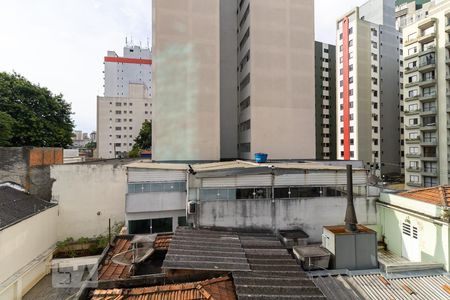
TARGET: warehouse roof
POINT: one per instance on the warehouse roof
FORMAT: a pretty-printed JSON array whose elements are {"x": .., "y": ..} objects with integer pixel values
[
  {"x": 261, "y": 267},
  {"x": 239, "y": 164},
  {"x": 212, "y": 289},
  {"x": 438, "y": 195},
  {"x": 17, "y": 205}
]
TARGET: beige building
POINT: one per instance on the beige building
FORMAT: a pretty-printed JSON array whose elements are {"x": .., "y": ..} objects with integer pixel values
[
  {"x": 119, "y": 120},
  {"x": 426, "y": 45},
  {"x": 215, "y": 102}
]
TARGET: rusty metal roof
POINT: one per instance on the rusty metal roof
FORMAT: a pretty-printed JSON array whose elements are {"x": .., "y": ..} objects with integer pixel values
[
  {"x": 212, "y": 289},
  {"x": 109, "y": 270},
  {"x": 439, "y": 195}
]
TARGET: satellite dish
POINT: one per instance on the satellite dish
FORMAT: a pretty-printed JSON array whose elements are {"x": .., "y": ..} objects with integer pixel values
[{"x": 141, "y": 249}]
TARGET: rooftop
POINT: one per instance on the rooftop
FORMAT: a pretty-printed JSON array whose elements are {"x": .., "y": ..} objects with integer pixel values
[
  {"x": 239, "y": 164},
  {"x": 439, "y": 195},
  {"x": 17, "y": 205},
  {"x": 211, "y": 289},
  {"x": 109, "y": 270},
  {"x": 260, "y": 266}
]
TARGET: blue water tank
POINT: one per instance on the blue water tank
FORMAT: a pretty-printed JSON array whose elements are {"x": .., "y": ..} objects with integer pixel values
[{"x": 260, "y": 157}]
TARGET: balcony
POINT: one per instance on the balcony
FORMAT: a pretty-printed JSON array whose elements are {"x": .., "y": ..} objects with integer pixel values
[
  {"x": 428, "y": 111},
  {"x": 412, "y": 98},
  {"x": 413, "y": 169},
  {"x": 427, "y": 82},
  {"x": 412, "y": 126},
  {"x": 427, "y": 97},
  {"x": 411, "y": 84},
  {"x": 412, "y": 155},
  {"x": 428, "y": 127},
  {"x": 429, "y": 157},
  {"x": 447, "y": 44},
  {"x": 410, "y": 56},
  {"x": 412, "y": 112},
  {"x": 427, "y": 38},
  {"x": 426, "y": 23},
  {"x": 414, "y": 184},
  {"x": 427, "y": 50},
  {"x": 412, "y": 140},
  {"x": 447, "y": 60},
  {"x": 430, "y": 172},
  {"x": 447, "y": 27},
  {"x": 429, "y": 141},
  {"x": 427, "y": 65},
  {"x": 410, "y": 70}
]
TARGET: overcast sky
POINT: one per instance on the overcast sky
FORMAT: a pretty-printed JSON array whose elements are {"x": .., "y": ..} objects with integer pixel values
[{"x": 60, "y": 44}]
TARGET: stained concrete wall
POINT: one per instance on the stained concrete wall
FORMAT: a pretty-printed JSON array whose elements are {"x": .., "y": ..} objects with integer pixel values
[
  {"x": 30, "y": 167},
  {"x": 89, "y": 195},
  {"x": 309, "y": 214}
]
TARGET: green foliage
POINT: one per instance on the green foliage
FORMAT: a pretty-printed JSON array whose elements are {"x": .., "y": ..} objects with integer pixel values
[
  {"x": 40, "y": 118},
  {"x": 134, "y": 153},
  {"x": 91, "y": 145},
  {"x": 144, "y": 140},
  {"x": 6, "y": 127}
]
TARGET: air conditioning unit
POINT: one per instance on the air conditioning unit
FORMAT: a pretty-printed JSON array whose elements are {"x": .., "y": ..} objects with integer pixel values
[{"x": 192, "y": 207}]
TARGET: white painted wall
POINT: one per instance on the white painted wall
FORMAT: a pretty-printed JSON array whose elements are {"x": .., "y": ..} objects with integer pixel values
[
  {"x": 25, "y": 250},
  {"x": 82, "y": 191}
]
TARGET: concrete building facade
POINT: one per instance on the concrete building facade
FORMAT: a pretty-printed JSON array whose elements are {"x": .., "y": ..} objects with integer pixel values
[
  {"x": 410, "y": 11},
  {"x": 426, "y": 50},
  {"x": 119, "y": 120},
  {"x": 126, "y": 102},
  {"x": 368, "y": 86},
  {"x": 215, "y": 102},
  {"x": 325, "y": 82},
  {"x": 90, "y": 194}
]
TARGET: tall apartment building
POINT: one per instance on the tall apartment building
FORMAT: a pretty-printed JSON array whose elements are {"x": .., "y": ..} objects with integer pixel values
[
  {"x": 410, "y": 11},
  {"x": 126, "y": 103},
  {"x": 368, "y": 87},
  {"x": 325, "y": 82},
  {"x": 232, "y": 78},
  {"x": 426, "y": 46}
]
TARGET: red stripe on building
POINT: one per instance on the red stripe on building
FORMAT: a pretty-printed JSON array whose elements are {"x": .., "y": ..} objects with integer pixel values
[
  {"x": 346, "y": 72},
  {"x": 128, "y": 60}
]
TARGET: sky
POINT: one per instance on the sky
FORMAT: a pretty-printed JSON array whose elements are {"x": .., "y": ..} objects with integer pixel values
[{"x": 60, "y": 44}]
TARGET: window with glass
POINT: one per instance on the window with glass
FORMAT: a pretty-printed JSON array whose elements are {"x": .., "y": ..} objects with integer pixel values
[{"x": 157, "y": 187}]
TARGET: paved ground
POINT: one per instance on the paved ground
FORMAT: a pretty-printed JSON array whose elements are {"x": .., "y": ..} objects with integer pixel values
[{"x": 45, "y": 290}]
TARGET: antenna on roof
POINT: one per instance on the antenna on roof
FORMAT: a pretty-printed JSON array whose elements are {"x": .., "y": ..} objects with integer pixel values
[
  {"x": 126, "y": 41},
  {"x": 148, "y": 42}
]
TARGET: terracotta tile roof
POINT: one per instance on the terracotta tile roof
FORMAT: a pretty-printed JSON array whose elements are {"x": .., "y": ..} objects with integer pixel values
[
  {"x": 122, "y": 243},
  {"x": 162, "y": 241},
  {"x": 212, "y": 289},
  {"x": 438, "y": 195},
  {"x": 110, "y": 270}
]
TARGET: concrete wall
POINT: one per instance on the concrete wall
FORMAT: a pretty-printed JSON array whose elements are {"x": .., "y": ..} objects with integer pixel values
[
  {"x": 309, "y": 214},
  {"x": 433, "y": 237},
  {"x": 30, "y": 167},
  {"x": 83, "y": 191},
  {"x": 25, "y": 251},
  {"x": 146, "y": 202},
  {"x": 186, "y": 85},
  {"x": 282, "y": 79}
]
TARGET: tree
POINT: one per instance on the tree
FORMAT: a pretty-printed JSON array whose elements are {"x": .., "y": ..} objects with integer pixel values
[
  {"x": 91, "y": 145},
  {"x": 40, "y": 118},
  {"x": 143, "y": 141},
  {"x": 6, "y": 127}
]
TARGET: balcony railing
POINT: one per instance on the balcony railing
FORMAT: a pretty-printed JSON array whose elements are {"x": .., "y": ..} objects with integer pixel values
[
  {"x": 414, "y": 184},
  {"x": 413, "y": 169},
  {"x": 413, "y": 155},
  {"x": 412, "y": 111}
]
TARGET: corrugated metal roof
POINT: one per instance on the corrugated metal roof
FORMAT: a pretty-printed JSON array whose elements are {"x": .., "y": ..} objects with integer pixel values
[
  {"x": 261, "y": 267},
  {"x": 212, "y": 289},
  {"x": 439, "y": 195},
  {"x": 237, "y": 164},
  {"x": 378, "y": 287}
]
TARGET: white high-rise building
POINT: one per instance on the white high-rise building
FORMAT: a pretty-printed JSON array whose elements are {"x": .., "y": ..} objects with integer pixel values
[
  {"x": 126, "y": 103},
  {"x": 368, "y": 100}
]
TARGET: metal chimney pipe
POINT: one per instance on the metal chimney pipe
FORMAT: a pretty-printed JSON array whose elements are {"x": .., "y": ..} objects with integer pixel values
[{"x": 350, "y": 214}]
